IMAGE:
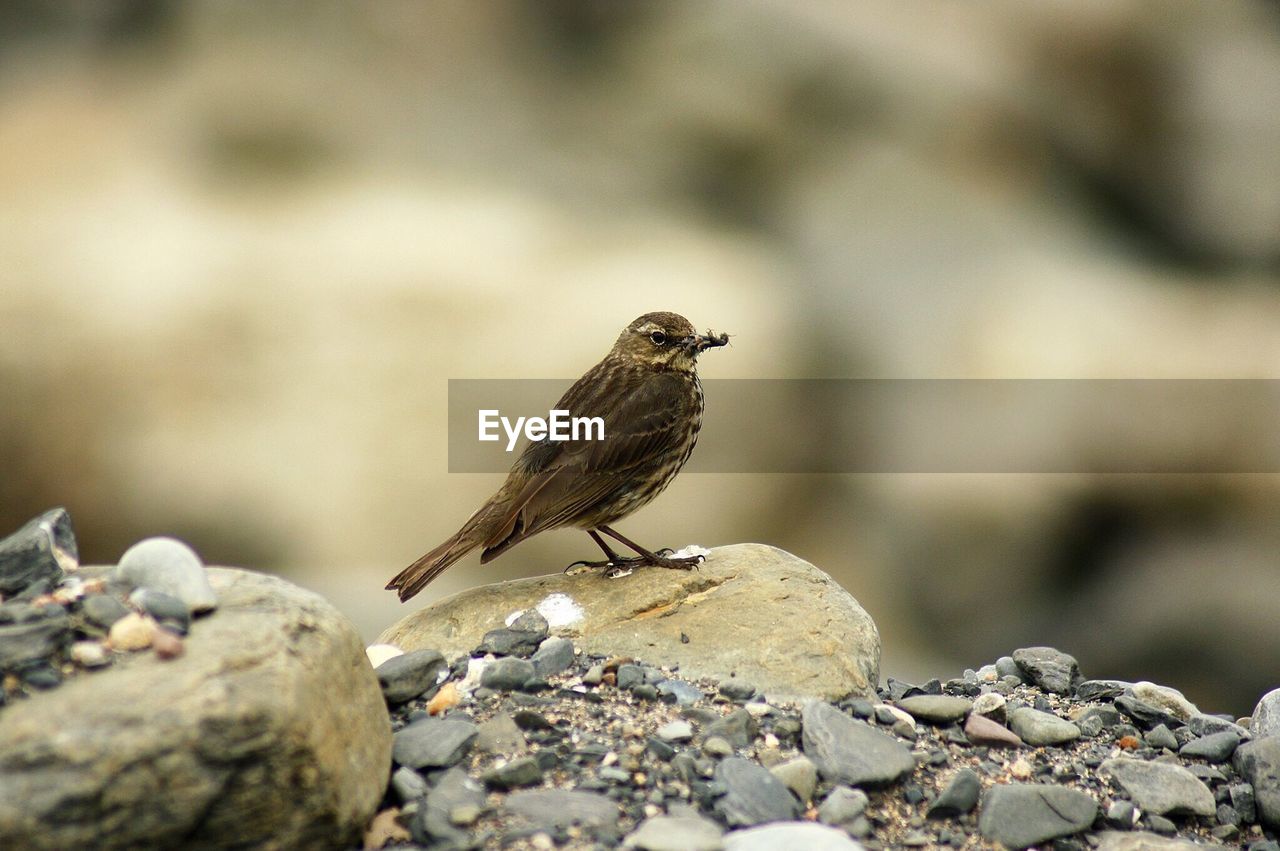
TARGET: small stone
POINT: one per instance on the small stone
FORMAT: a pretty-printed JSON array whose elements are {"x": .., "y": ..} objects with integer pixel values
[
  {"x": 500, "y": 735},
  {"x": 630, "y": 676},
  {"x": 959, "y": 797},
  {"x": 849, "y": 751},
  {"x": 379, "y": 653},
  {"x": 89, "y": 654},
  {"x": 408, "y": 785},
  {"x": 738, "y": 727},
  {"x": 790, "y": 835},
  {"x": 1169, "y": 699},
  {"x": 385, "y": 829},
  {"x": 991, "y": 704},
  {"x": 34, "y": 640},
  {"x": 523, "y": 771},
  {"x": 508, "y": 673},
  {"x": 1005, "y": 666},
  {"x": 676, "y": 833},
  {"x": 433, "y": 743},
  {"x": 737, "y": 690},
  {"x": 1048, "y": 668},
  {"x": 454, "y": 800},
  {"x": 798, "y": 774},
  {"x": 443, "y": 700},
  {"x": 1122, "y": 815},
  {"x": 1204, "y": 725},
  {"x": 1159, "y": 788},
  {"x": 594, "y": 675},
  {"x": 842, "y": 806},
  {"x": 752, "y": 794},
  {"x": 409, "y": 675},
  {"x": 103, "y": 610},
  {"x": 554, "y": 656},
  {"x": 1038, "y": 728},
  {"x": 43, "y": 549},
  {"x": 1259, "y": 763},
  {"x": 167, "y": 609},
  {"x": 981, "y": 730},
  {"x": 132, "y": 632},
  {"x": 562, "y": 807},
  {"x": 1101, "y": 689},
  {"x": 1215, "y": 747},
  {"x": 510, "y": 642},
  {"x": 679, "y": 692},
  {"x": 675, "y": 731},
  {"x": 1145, "y": 714},
  {"x": 170, "y": 566},
  {"x": 717, "y": 746},
  {"x": 1161, "y": 825},
  {"x": 1159, "y": 736},
  {"x": 167, "y": 644},
  {"x": 936, "y": 709},
  {"x": 1022, "y": 814}
]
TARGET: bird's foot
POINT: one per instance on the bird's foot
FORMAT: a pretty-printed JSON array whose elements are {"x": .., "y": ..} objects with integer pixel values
[
  {"x": 610, "y": 568},
  {"x": 681, "y": 563}
]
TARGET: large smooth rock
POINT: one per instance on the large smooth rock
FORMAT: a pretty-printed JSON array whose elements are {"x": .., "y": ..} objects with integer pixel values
[
  {"x": 712, "y": 621},
  {"x": 1160, "y": 787},
  {"x": 1023, "y": 814},
  {"x": 1259, "y": 763},
  {"x": 1266, "y": 716},
  {"x": 850, "y": 751},
  {"x": 269, "y": 732}
]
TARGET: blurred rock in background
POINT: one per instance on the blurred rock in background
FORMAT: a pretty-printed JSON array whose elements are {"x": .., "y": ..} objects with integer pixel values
[{"x": 246, "y": 244}]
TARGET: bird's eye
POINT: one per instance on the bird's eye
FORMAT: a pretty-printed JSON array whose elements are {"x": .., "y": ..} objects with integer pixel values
[{"x": 658, "y": 338}]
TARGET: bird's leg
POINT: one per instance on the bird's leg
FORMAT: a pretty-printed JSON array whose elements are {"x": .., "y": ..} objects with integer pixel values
[
  {"x": 613, "y": 561},
  {"x": 658, "y": 559}
]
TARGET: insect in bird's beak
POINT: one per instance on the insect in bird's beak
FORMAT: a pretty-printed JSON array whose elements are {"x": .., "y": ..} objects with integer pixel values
[{"x": 706, "y": 341}]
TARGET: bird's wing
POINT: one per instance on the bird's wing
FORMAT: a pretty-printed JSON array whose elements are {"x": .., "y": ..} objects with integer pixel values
[{"x": 644, "y": 420}]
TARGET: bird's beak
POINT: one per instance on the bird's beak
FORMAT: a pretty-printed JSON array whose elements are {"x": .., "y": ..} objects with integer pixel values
[{"x": 701, "y": 342}]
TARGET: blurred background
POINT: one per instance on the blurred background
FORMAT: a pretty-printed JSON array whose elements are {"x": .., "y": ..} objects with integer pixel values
[{"x": 244, "y": 245}]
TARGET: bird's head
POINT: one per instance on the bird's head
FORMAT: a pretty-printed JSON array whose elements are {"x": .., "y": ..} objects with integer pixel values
[{"x": 666, "y": 341}]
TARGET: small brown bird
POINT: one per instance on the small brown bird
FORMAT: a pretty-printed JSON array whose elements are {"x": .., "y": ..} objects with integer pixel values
[{"x": 647, "y": 392}]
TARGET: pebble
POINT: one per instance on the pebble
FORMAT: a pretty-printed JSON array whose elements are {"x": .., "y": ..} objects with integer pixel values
[
  {"x": 1265, "y": 720},
  {"x": 89, "y": 654},
  {"x": 170, "y": 566},
  {"x": 167, "y": 609},
  {"x": 1051, "y": 669},
  {"x": 1169, "y": 699},
  {"x": 379, "y": 653},
  {"x": 959, "y": 797},
  {"x": 849, "y": 751},
  {"x": 717, "y": 746},
  {"x": 752, "y": 794},
  {"x": 553, "y": 656},
  {"x": 737, "y": 690},
  {"x": 1159, "y": 788},
  {"x": 409, "y": 675},
  {"x": 786, "y": 836},
  {"x": 1005, "y": 666},
  {"x": 103, "y": 609},
  {"x": 842, "y": 806},
  {"x": 132, "y": 632},
  {"x": 936, "y": 709},
  {"x": 798, "y": 774},
  {"x": 981, "y": 730},
  {"x": 167, "y": 644},
  {"x": 1159, "y": 736},
  {"x": 505, "y": 641},
  {"x": 508, "y": 673},
  {"x": 1203, "y": 725},
  {"x": 992, "y": 705},
  {"x": 1024, "y": 814},
  {"x": 1215, "y": 747},
  {"x": 501, "y": 735},
  {"x": 675, "y": 731},
  {"x": 561, "y": 807},
  {"x": 676, "y": 833},
  {"x": 1259, "y": 763},
  {"x": 433, "y": 743},
  {"x": 679, "y": 692},
  {"x": 1122, "y": 814},
  {"x": 1038, "y": 728},
  {"x": 1102, "y": 689},
  {"x": 739, "y": 727},
  {"x": 522, "y": 771},
  {"x": 443, "y": 700},
  {"x": 1145, "y": 714},
  {"x": 408, "y": 784},
  {"x": 594, "y": 675},
  {"x": 39, "y": 551}
]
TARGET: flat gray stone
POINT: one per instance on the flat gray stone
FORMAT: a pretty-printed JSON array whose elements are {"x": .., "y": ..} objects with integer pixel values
[
  {"x": 752, "y": 794},
  {"x": 1038, "y": 728},
  {"x": 433, "y": 743},
  {"x": 708, "y": 621},
  {"x": 270, "y": 731},
  {"x": 170, "y": 566},
  {"x": 1022, "y": 814},
  {"x": 798, "y": 774},
  {"x": 1266, "y": 716},
  {"x": 676, "y": 833},
  {"x": 42, "y": 549},
  {"x": 1161, "y": 787},
  {"x": 501, "y": 735},
  {"x": 1048, "y": 668},
  {"x": 1215, "y": 747},
  {"x": 936, "y": 708},
  {"x": 508, "y": 673},
  {"x": 562, "y": 807},
  {"x": 842, "y": 806},
  {"x": 553, "y": 656},
  {"x": 959, "y": 797},
  {"x": 409, "y": 675},
  {"x": 1259, "y": 763},
  {"x": 1169, "y": 699},
  {"x": 851, "y": 751},
  {"x": 790, "y": 836},
  {"x": 1114, "y": 840}
]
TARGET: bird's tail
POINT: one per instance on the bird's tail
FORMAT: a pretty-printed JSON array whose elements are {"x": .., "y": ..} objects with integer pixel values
[{"x": 416, "y": 576}]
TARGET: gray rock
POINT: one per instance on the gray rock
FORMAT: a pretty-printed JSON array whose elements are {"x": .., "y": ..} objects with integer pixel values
[
  {"x": 1145, "y": 714},
  {"x": 790, "y": 836},
  {"x": 454, "y": 800},
  {"x": 680, "y": 691},
  {"x": 842, "y": 806},
  {"x": 1048, "y": 668},
  {"x": 1259, "y": 763},
  {"x": 1038, "y": 728},
  {"x": 798, "y": 774},
  {"x": 433, "y": 743},
  {"x": 992, "y": 705},
  {"x": 1102, "y": 689},
  {"x": 1023, "y": 814},
  {"x": 552, "y": 808},
  {"x": 735, "y": 689},
  {"x": 273, "y": 690},
  {"x": 1169, "y": 699},
  {"x": 1160, "y": 736},
  {"x": 103, "y": 610},
  {"x": 827, "y": 645},
  {"x": 1161, "y": 787},
  {"x": 408, "y": 784},
  {"x": 507, "y": 673},
  {"x": 501, "y": 735},
  {"x": 738, "y": 728},
  {"x": 936, "y": 708},
  {"x": 1005, "y": 666},
  {"x": 409, "y": 675},
  {"x": 510, "y": 642},
  {"x": 675, "y": 731},
  {"x": 554, "y": 655},
  {"x": 521, "y": 771},
  {"x": 959, "y": 797},
  {"x": 981, "y": 730},
  {"x": 23, "y": 644},
  {"x": 167, "y": 609},
  {"x": 170, "y": 566},
  {"x": 676, "y": 833},
  {"x": 1215, "y": 747},
  {"x": 1110, "y": 840},
  {"x": 850, "y": 751},
  {"x": 1203, "y": 725},
  {"x": 42, "y": 549},
  {"x": 752, "y": 795},
  {"x": 1266, "y": 716}
]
